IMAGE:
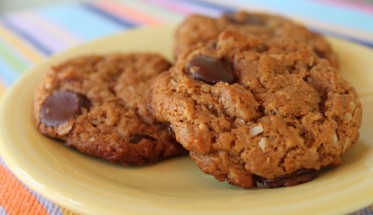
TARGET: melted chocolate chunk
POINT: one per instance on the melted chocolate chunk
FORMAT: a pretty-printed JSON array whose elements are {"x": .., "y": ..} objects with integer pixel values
[
  {"x": 296, "y": 178},
  {"x": 61, "y": 106},
  {"x": 138, "y": 137},
  {"x": 248, "y": 20},
  {"x": 210, "y": 70}
]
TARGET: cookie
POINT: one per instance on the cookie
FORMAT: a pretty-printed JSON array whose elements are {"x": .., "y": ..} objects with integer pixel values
[
  {"x": 202, "y": 29},
  {"x": 258, "y": 112},
  {"x": 97, "y": 105}
]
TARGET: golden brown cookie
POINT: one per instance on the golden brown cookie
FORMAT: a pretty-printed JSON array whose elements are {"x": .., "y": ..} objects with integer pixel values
[
  {"x": 202, "y": 29},
  {"x": 254, "y": 111},
  {"x": 97, "y": 104}
]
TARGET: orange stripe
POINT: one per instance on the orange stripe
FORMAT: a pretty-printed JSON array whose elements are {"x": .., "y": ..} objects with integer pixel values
[
  {"x": 15, "y": 198},
  {"x": 124, "y": 12}
]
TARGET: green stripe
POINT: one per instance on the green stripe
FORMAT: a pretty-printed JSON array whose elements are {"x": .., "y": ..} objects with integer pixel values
[{"x": 8, "y": 56}]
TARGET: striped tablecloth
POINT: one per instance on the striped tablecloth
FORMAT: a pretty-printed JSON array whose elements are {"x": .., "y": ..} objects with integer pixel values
[{"x": 28, "y": 37}]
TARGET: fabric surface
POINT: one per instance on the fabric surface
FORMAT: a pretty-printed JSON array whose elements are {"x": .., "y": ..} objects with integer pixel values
[{"x": 28, "y": 37}]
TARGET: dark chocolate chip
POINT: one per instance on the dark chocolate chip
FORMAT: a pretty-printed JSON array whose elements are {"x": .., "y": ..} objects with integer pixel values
[
  {"x": 319, "y": 53},
  {"x": 171, "y": 131},
  {"x": 248, "y": 20},
  {"x": 296, "y": 178},
  {"x": 61, "y": 106},
  {"x": 212, "y": 45},
  {"x": 261, "y": 48},
  {"x": 210, "y": 70},
  {"x": 138, "y": 137}
]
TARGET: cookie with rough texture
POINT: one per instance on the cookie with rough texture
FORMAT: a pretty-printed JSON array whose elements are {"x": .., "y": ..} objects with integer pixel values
[
  {"x": 202, "y": 29},
  {"x": 97, "y": 104},
  {"x": 254, "y": 111}
]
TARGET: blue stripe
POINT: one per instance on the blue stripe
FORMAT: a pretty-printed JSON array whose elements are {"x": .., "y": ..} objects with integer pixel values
[
  {"x": 3, "y": 211},
  {"x": 210, "y": 5},
  {"x": 27, "y": 37},
  {"x": 48, "y": 205},
  {"x": 79, "y": 21},
  {"x": 108, "y": 16},
  {"x": 7, "y": 74},
  {"x": 2, "y": 162},
  {"x": 345, "y": 37}
]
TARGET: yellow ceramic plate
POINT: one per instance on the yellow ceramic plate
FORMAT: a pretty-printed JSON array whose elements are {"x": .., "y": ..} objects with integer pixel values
[{"x": 176, "y": 186}]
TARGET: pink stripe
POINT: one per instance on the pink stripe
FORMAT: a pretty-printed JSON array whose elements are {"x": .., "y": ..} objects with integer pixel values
[
  {"x": 184, "y": 8},
  {"x": 127, "y": 13},
  {"x": 49, "y": 34},
  {"x": 361, "y": 6}
]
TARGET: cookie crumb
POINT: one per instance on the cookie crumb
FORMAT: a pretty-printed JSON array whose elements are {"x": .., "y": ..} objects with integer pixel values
[
  {"x": 347, "y": 145},
  {"x": 64, "y": 128},
  {"x": 348, "y": 117},
  {"x": 254, "y": 131},
  {"x": 335, "y": 139},
  {"x": 262, "y": 144},
  {"x": 352, "y": 106}
]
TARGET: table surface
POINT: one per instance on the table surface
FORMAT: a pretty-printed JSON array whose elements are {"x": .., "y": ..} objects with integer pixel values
[{"x": 30, "y": 36}]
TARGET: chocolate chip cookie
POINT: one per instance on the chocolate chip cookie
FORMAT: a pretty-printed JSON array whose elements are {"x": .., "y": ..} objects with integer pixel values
[
  {"x": 202, "y": 29},
  {"x": 258, "y": 112},
  {"x": 97, "y": 104}
]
